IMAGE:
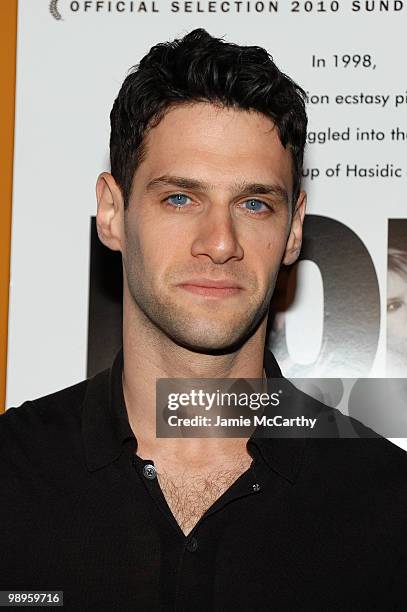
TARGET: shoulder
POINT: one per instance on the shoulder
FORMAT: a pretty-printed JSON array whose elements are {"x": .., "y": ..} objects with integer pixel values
[
  {"x": 42, "y": 411},
  {"x": 350, "y": 458},
  {"x": 367, "y": 465},
  {"x": 44, "y": 425}
]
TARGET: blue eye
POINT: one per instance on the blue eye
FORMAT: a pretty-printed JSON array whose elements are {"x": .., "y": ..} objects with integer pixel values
[
  {"x": 178, "y": 199},
  {"x": 254, "y": 204}
]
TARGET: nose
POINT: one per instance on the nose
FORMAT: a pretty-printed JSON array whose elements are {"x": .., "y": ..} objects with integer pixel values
[{"x": 216, "y": 236}]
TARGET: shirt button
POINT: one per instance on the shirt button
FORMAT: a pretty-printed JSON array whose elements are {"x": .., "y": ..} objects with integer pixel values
[
  {"x": 256, "y": 487},
  {"x": 192, "y": 544},
  {"x": 149, "y": 471}
]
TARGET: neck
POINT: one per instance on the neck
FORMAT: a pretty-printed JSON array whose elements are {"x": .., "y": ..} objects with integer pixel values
[{"x": 149, "y": 354}]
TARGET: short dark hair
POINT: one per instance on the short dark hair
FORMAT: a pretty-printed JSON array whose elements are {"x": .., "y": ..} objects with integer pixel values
[{"x": 201, "y": 68}]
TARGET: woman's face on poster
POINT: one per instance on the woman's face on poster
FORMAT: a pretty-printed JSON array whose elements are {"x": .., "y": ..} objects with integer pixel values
[{"x": 397, "y": 305}]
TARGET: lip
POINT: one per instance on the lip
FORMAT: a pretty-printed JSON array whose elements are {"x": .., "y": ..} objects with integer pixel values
[
  {"x": 207, "y": 282},
  {"x": 208, "y": 287}
]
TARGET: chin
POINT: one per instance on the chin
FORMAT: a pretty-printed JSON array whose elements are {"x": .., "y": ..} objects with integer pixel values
[
  {"x": 206, "y": 341},
  {"x": 203, "y": 332},
  {"x": 208, "y": 338}
]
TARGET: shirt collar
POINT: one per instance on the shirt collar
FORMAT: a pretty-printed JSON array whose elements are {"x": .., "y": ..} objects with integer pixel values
[{"x": 105, "y": 424}]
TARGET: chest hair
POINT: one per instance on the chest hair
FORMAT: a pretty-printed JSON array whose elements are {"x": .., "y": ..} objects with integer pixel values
[{"x": 189, "y": 495}]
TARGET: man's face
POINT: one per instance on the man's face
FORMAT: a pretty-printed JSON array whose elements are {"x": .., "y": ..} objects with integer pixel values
[{"x": 211, "y": 200}]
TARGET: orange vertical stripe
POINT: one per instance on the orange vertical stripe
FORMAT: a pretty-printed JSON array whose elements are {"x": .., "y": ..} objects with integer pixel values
[{"x": 8, "y": 40}]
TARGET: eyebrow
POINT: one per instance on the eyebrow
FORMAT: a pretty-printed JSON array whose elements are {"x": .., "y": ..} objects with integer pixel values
[{"x": 241, "y": 189}]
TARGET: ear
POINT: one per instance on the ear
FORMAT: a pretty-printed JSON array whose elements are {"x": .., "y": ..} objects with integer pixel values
[
  {"x": 109, "y": 218},
  {"x": 294, "y": 241}
]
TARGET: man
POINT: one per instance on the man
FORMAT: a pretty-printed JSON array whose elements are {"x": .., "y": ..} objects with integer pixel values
[{"x": 204, "y": 203}]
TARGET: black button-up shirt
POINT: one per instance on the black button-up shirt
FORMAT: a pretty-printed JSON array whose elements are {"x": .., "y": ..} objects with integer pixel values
[{"x": 312, "y": 525}]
